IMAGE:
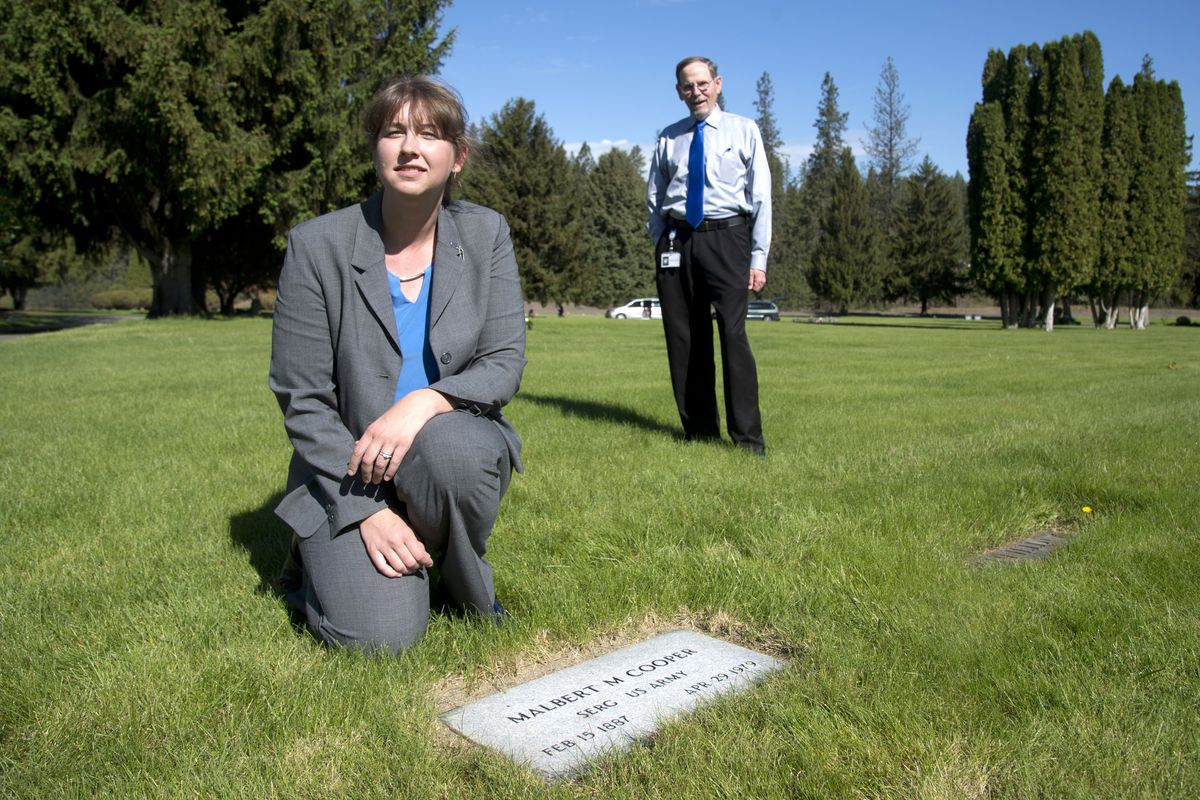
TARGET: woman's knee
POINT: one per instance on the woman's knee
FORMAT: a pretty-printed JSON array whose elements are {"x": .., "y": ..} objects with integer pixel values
[
  {"x": 458, "y": 451},
  {"x": 372, "y": 633}
]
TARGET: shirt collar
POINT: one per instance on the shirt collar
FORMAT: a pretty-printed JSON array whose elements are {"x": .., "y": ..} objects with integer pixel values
[{"x": 714, "y": 117}]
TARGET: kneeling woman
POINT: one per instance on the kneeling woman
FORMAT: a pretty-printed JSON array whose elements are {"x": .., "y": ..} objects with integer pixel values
[{"x": 399, "y": 334}]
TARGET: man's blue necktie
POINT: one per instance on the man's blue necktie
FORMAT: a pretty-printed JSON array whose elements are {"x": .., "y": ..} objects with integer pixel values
[{"x": 694, "y": 212}]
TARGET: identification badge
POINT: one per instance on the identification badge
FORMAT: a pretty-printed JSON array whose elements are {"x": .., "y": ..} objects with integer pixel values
[{"x": 668, "y": 260}]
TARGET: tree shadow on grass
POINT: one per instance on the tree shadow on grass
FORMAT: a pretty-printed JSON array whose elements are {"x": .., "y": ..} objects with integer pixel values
[
  {"x": 923, "y": 326},
  {"x": 602, "y": 412}
]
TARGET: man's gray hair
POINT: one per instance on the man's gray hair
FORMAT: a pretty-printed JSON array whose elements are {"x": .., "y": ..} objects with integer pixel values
[{"x": 712, "y": 66}]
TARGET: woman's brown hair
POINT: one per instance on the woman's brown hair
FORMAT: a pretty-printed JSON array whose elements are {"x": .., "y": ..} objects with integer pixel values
[{"x": 431, "y": 102}]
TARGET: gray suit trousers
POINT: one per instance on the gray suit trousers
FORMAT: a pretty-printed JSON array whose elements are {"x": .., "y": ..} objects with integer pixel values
[{"x": 449, "y": 487}]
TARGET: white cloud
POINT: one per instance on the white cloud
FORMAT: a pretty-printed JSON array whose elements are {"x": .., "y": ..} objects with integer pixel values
[{"x": 797, "y": 154}]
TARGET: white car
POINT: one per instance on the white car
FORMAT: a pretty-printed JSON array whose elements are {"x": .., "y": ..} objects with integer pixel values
[{"x": 642, "y": 308}]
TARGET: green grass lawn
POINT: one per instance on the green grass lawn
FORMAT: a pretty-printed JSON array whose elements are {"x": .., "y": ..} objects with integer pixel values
[{"x": 144, "y": 653}]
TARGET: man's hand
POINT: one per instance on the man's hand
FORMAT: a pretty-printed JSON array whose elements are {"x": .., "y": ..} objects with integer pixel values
[
  {"x": 391, "y": 545},
  {"x": 378, "y": 452},
  {"x": 758, "y": 279}
]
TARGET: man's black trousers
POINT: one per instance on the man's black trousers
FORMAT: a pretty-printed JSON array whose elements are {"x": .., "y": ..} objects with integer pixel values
[{"x": 714, "y": 272}]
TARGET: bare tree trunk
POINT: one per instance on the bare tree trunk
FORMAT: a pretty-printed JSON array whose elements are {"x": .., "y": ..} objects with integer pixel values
[
  {"x": 1112, "y": 314},
  {"x": 1029, "y": 310},
  {"x": 1045, "y": 308},
  {"x": 1067, "y": 317},
  {"x": 1109, "y": 311},
  {"x": 1139, "y": 311},
  {"x": 174, "y": 293}
]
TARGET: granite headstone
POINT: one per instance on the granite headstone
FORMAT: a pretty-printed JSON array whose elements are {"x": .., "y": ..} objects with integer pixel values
[{"x": 558, "y": 724}]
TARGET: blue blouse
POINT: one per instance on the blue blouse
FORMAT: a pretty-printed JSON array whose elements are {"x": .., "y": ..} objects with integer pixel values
[{"x": 419, "y": 369}]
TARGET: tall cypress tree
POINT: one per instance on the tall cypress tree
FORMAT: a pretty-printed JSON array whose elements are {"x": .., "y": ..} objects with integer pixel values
[
  {"x": 1065, "y": 183},
  {"x": 1036, "y": 198},
  {"x": 1000, "y": 154},
  {"x": 1120, "y": 146},
  {"x": 997, "y": 226},
  {"x": 1188, "y": 290},
  {"x": 1159, "y": 191}
]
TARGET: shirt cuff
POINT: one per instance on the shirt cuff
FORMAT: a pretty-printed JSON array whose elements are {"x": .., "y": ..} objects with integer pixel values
[{"x": 758, "y": 261}]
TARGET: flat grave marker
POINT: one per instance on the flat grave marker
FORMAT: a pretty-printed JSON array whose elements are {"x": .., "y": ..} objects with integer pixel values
[{"x": 560, "y": 723}]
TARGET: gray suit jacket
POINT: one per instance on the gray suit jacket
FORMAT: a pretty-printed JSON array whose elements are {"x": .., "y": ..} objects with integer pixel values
[{"x": 335, "y": 354}]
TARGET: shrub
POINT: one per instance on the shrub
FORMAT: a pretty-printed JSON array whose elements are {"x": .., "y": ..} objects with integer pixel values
[
  {"x": 1183, "y": 320},
  {"x": 123, "y": 299}
]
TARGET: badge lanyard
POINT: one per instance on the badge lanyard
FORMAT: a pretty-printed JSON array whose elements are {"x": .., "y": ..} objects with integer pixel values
[{"x": 669, "y": 259}]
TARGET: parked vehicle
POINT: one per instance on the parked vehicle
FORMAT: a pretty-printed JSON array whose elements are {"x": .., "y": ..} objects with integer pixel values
[
  {"x": 642, "y": 308},
  {"x": 762, "y": 309}
]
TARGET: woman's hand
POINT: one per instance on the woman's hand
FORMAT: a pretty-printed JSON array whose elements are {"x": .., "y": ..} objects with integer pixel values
[
  {"x": 378, "y": 452},
  {"x": 391, "y": 545}
]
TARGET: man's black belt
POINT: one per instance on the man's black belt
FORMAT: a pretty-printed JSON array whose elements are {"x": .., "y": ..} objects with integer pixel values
[{"x": 714, "y": 224}]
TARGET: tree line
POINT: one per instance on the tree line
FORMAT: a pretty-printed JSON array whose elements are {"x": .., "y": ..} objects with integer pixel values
[
  {"x": 197, "y": 133},
  {"x": 846, "y": 240},
  {"x": 1074, "y": 189}
]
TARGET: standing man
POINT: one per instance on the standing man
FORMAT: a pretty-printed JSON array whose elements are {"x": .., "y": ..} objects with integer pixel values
[{"x": 709, "y": 200}]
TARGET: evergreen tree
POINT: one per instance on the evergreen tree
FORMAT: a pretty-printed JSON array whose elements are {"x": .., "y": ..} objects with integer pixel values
[
  {"x": 1066, "y": 184},
  {"x": 1119, "y": 151},
  {"x": 845, "y": 267},
  {"x": 165, "y": 121},
  {"x": 931, "y": 237},
  {"x": 1188, "y": 290},
  {"x": 996, "y": 223},
  {"x": 1019, "y": 304},
  {"x": 891, "y": 151},
  {"x": 1158, "y": 193},
  {"x": 1034, "y": 147},
  {"x": 785, "y": 275},
  {"x": 523, "y": 172},
  {"x": 618, "y": 255},
  {"x": 18, "y": 254},
  {"x": 825, "y": 161},
  {"x": 583, "y": 162},
  {"x": 819, "y": 173},
  {"x": 772, "y": 139}
]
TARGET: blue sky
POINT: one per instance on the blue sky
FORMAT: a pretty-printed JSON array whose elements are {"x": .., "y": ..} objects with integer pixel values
[{"x": 602, "y": 72}]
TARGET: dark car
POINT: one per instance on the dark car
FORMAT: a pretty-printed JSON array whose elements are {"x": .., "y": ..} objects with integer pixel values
[{"x": 762, "y": 309}]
